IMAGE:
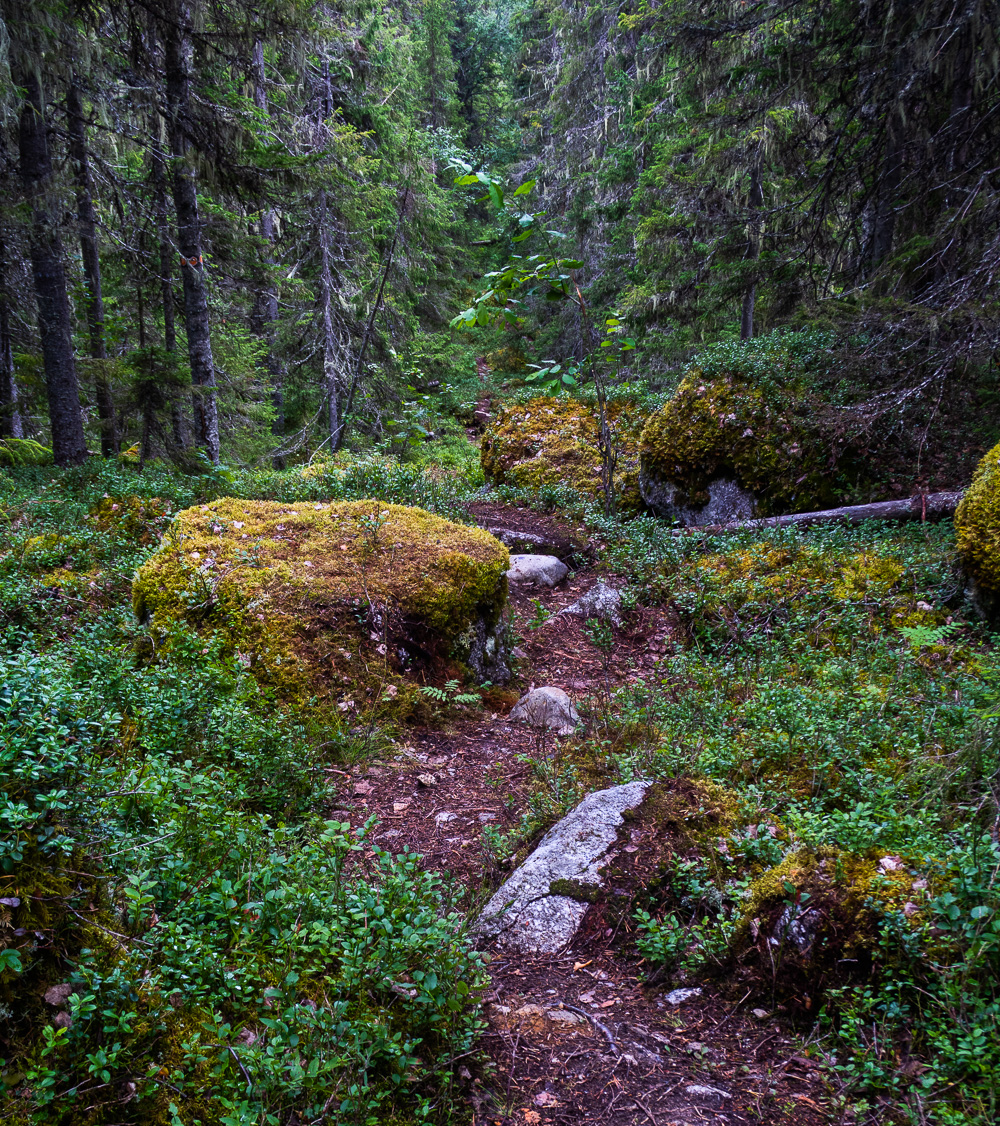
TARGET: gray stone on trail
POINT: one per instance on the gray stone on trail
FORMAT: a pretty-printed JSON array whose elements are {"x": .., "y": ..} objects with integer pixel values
[
  {"x": 713, "y": 1095},
  {"x": 601, "y": 601},
  {"x": 525, "y": 915},
  {"x": 547, "y": 708},
  {"x": 727, "y": 501},
  {"x": 679, "y": 996},
  {"x": 536, "y": 570}
]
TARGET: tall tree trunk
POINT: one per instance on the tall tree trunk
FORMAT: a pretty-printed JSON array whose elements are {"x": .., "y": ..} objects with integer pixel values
[
  {"x": 753, "y": 249},
  {"x": 178, "y": 425},
  {"x": 266, "y": 307},
  {"x": 177, "y": 68},
  {"x": 10, "y": 416},
  {"x": 331, "y": 347},
  {"x": 69, "y": 447},
  {"x": 91, "y": 266}
]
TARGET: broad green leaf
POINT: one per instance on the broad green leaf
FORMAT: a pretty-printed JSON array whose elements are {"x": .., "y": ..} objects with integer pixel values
[{"x": 523, "y": 189}]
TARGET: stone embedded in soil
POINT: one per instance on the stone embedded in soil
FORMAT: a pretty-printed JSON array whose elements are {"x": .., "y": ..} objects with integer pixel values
[
  {"x": 601, "y": 601},
  {"x": 714, "y": 1095},
  {"x": 549, "y": 709},
  {"x": 536, "y": 570},
  {"x": 679, "y": 996},
  {"x": 525, "y": 914}
]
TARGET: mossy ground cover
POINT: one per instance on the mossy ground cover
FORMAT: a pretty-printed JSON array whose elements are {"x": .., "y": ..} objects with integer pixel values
[
  {"x": 834, "y": 691},
  {"x": 231, "y": 956},
  {"x": 823, "y": 821}
]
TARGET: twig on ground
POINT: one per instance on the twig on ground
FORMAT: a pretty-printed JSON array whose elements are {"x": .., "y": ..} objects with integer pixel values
[{"x": 595, "y": 1022}]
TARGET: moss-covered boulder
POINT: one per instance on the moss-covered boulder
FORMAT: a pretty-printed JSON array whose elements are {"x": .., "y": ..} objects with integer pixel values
[
  {"x": 977, "y": 529},
  {"x": 756, "y": 428},
  {"x": 723, "y": 449},
  {"x": 339, "y": 603},
  {"x": 554, "y": 441}
]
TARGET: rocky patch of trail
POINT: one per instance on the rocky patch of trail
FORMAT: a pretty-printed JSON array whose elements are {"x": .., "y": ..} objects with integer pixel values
[{"x": 575, "y": 1037}]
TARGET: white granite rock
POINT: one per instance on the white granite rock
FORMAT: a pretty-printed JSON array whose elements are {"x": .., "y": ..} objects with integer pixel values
[
  {"x": 547, "y": 708},
  {"x": 536, "y": 570},
  {"x": 524, "y": 915}
]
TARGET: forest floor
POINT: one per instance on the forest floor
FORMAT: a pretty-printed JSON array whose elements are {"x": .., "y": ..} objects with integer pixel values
[{"x": 658, "y": 1059}]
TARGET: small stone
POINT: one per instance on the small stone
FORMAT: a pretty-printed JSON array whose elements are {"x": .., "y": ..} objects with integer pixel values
[
  {"x": 547, "y": 708},
  {"x": 679, "y": 996},
  {"x": 427, "y": 779},
  {"x": 890, "y": 863},
  {"x": 362, "y": 788},
  {"x": 10, "y": 901},
  {"x": 561, "y": 1016},
  {"x": 602, "y": 602},
  {"x": 399, "y": 806},
  {"x": 58, "y": 995},
  {"x": 484, "y": 817},
  {"x": 444, "y": 816},
  {"x": 760, "y": 1014},
  {"x": 536, "y": 570},
  {"x": 62, "y": 1020},
  {"x": 707, "y": 1094},
  {"x": 926, "y": 607}
]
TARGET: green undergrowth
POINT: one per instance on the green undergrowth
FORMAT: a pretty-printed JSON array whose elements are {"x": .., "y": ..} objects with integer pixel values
[
  {"x": 837, "y": 689},
  {"x": 225, "y": 954}
]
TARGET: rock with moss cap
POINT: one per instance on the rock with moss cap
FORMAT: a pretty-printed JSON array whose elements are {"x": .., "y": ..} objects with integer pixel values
[
  {"x": 553, "y": 441},
  {"x": 977, "y": 529},
  {"x": 340, "y": 604},
  {"x": 751, "y": 432}
]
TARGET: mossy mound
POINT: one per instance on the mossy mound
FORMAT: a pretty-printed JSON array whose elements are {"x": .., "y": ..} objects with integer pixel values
[
  {"x": 332, "y": 603},
  {"x": 554, "y": 441},
  {"x": 17, "y": 452},
  {"x": 977, "y": 528},
  {"x": 727, "y": 448}
]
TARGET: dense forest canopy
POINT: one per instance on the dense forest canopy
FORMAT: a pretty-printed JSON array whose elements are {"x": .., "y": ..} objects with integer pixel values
[
  {"x": 225, "y": 226},
  {"x": 499, "y": 562}
]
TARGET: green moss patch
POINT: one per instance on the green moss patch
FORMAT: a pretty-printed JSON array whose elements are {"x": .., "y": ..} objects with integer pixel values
[
  {"x": 553, "y": 441},
  {"x": 340, "y": 602},
  {"x": 977, "y": 525}
]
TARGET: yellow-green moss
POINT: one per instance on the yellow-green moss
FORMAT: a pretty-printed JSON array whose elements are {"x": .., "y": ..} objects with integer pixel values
[
  {"x": 315, "y": 599},
  {"x": 553, "y": 441},
  {"x": 977, "y": 525},
  {"x": 726, "y": 428}
]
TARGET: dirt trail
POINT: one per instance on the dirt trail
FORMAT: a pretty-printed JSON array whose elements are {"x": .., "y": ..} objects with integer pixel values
[{"x": 656, "y": 1060}]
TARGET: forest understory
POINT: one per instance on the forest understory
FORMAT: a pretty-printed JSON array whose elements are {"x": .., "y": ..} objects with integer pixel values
[{"x": 448, "y": 674}]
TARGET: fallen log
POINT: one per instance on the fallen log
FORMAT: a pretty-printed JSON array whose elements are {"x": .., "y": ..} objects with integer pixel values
[{"x": 923, "y": 507}]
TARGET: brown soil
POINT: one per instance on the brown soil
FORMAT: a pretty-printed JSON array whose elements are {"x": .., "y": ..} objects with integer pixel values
[{"x": 654, "y": 1062}]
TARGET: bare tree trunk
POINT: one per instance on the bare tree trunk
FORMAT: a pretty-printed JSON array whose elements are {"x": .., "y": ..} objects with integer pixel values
[
  {"x": 10, "y": 416},
  {"x": 752, "y": 250},
  {"x": 178, "y": 423},
  {"x": 331, "y": 347},
  {"x": 91, "y": 266},
  {"x": 177, "y": 68},
  {"x": 69, "y": 447},
  {"x": 266, "y": 309}
]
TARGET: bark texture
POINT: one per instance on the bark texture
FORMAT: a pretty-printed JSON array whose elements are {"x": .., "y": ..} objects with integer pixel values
[
  {"x": 177, "y": 69},
  {"x": 923, "y": 506},
  {"x": 55, "y": 327},
  {"x": 87, "y": 220}
]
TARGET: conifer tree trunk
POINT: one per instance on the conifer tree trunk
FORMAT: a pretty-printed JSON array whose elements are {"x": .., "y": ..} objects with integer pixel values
[
  {"x": 55, "y": 326},
  {"x": 91, "y": 266},
  {"x": 166, "y": 265},
  {"x": 10, "y": 415},
  {"x": 177, "y": 68},
  {"x": 266, "y": 306},
  {"x": 752, "y": 250},
  {"x": 330, "y": 347}
]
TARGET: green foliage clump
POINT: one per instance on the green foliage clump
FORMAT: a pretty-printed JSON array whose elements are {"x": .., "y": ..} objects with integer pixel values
[
  {"x": 977, "y": 525},
  {"x": 750, "y": 412},
  {"x": 22, "y": 452},
  {"x": 225, "y": 954},
  {"x": 552, "y": 441}
]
